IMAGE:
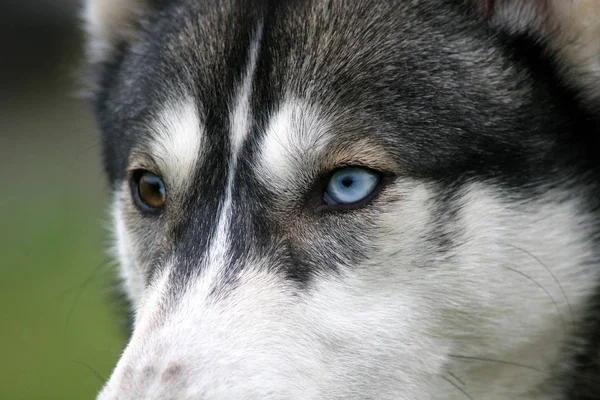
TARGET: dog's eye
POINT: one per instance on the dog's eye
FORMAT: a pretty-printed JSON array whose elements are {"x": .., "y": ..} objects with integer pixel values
[
  {"x": 149, "y": 191},
  {"x": 348, "y": 186}
]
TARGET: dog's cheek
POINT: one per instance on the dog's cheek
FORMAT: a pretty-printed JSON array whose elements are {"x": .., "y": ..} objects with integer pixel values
[
  {"x": 123, "y": 249},
  {"x": 507, "y": 281},
  {"x": 478, "y": 269},
  {"x": 384, "y": 317},
  {"x": 369, "y": 328}
]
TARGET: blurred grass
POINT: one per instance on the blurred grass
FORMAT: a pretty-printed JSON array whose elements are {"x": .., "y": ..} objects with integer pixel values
[{"x": 56, "y": 320}]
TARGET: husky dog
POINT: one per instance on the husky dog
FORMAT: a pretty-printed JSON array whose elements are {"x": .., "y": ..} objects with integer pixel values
[{"x": 353, "y": 199}]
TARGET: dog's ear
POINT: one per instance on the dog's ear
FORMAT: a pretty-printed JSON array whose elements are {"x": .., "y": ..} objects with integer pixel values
[
  {"x": 109, "y": 23},
  {"x": 570, "y": 30}
]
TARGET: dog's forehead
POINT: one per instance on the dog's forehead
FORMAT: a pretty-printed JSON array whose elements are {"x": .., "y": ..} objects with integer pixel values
[
  {"x": 340, "y": 53},
  {"x": 319, "y": 50},
  {"x": 220, "y": 76},
  {"x": 391, "y": 72}
]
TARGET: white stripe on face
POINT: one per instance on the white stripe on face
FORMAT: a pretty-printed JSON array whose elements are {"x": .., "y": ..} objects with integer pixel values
[
  {"x": 241, "y": 117},
  {"x": 240, "y": 125},
  {"x": 296, "y": 134},
  {"x": 179, "y": 136}
]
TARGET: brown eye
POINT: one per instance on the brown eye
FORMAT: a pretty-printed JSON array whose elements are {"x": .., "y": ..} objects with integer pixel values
[{"x": 149, "y": 191}]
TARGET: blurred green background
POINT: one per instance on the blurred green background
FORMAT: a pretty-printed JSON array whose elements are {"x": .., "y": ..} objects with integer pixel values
[{"x": 60, "y": 334}]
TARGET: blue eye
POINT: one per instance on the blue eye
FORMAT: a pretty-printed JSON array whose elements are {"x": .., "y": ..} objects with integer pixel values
[{"x": 350, "y": 186}]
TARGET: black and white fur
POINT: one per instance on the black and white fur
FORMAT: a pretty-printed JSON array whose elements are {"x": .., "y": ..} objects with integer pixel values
[{"x": 474, "y": 271}]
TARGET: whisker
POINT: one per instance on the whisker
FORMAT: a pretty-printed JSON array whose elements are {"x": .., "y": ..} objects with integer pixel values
[
  {"x": 81, "y": 153},
  {"x": 467, "y": 395},
  {"x": 104, "y": 263},
  {"x": 72, "y": 289},
  {"x": 92, "y": 370},
  {"x": 461, "y": 357},
  {"x": 79, "y": 292},
  {"x": 551, "y": 274},
  {"x": 562, "y": 319},
  {"x": 456, "y": 378}
]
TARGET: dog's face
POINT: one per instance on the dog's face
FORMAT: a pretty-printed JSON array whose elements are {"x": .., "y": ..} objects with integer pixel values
[{"x": 344, "y": 200}]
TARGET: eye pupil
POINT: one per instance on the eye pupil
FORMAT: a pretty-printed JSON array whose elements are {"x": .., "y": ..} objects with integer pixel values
[
  {"x": 348, "y": 186},
  {"x": 347, "y": 181}
]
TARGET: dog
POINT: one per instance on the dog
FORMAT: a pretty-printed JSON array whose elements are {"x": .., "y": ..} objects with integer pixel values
[{"x": 353, "y": 199}]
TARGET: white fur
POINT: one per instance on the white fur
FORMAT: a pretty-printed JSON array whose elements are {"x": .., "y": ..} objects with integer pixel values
[
  {"x": 513, "y": 259},
  {"x": 123, "y": 249},
  {"x": 108, "y": 21},
  {"x": 296, "y": 135},
  {"x": 177, "y": 135},
  {"x": 241, "y": 118},
  {"x": 385, "y": 329},
  {"x": 148, "y": 311}
]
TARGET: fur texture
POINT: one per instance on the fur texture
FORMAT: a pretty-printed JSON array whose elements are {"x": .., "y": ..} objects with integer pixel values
[{"x": 472, "y": 271}]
